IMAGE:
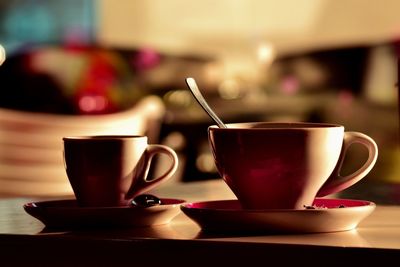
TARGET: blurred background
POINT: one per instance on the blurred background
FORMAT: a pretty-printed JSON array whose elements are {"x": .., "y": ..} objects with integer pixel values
[{"x": 307, "y": 60}]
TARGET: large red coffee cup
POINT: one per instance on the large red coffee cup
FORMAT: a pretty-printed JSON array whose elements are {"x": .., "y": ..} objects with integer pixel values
[{"x": 286, "y": 165}]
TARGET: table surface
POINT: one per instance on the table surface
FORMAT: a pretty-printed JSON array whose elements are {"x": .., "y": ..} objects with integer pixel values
[{"x": 376, "y": 236}]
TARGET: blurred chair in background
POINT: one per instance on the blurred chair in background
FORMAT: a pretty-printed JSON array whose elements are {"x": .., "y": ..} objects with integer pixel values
[{"x": 31, "y": 160}]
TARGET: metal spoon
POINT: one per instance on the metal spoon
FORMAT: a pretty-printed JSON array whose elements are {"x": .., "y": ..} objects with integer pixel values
[
  {"x": 145, "y": 201},
  {"x": 191, "y": 83},
  {"x": 2, "y": 55}
]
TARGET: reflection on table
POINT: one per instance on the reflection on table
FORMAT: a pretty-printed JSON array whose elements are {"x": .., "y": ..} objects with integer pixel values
[{"x": 182, "y": 241}]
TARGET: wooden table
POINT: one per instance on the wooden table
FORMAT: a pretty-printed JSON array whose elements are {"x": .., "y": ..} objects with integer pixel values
[{"x": 25, "y": 242}]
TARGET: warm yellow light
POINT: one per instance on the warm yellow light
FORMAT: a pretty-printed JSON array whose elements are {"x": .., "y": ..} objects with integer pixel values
[
  {"x": 229, "y": 89},
  {"x": 265, "y": 53}
]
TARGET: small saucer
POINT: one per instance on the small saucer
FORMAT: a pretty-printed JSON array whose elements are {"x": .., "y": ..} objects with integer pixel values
[
  {"x": 326, "y": 215},
  {"x": 67, "y": 214}
]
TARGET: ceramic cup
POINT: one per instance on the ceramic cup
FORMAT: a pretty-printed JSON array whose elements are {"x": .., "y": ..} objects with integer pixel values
[
  {"x": 111, "y": 170},
  {"x": 285, "y": 165}
]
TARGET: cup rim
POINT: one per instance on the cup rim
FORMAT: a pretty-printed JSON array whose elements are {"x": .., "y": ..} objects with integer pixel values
[
  {"x": 276, "y": 126},
  {"x": 102, "y": 137}
]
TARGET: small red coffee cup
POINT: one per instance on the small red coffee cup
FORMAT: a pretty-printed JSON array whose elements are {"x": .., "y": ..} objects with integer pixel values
[{"x": 110, "y": 170}]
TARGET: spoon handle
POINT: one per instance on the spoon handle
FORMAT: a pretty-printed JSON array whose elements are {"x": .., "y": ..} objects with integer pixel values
[
  {"x": 191, "y": 83},
  {"x": 2, "y": 55}
]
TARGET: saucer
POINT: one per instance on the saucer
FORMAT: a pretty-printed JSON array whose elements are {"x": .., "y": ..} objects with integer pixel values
[
  {"x": 67, "y": 214},
  {"x": 326, "y": 215}
]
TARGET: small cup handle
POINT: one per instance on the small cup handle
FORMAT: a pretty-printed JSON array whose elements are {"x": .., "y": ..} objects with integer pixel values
[
  {"x": 143, "y": 184},
  {"x": 336, "y": 182}
]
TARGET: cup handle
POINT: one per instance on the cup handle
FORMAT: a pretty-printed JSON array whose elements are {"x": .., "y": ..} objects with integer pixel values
[
  {"x": 143, "y": 184},
  {"x": 336, "y": 182}
]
